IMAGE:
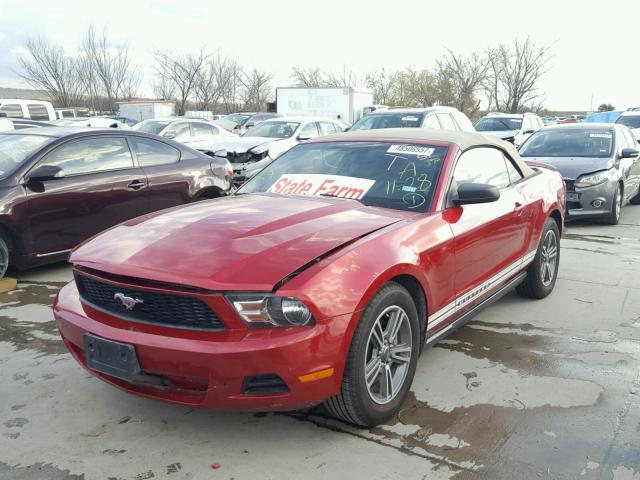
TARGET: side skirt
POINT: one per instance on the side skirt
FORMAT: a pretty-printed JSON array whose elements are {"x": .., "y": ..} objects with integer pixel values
[{"x": 463, "y": 319}]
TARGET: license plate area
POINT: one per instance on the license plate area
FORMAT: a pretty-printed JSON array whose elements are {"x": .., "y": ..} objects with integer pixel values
[{"x": 112, "y": 358}]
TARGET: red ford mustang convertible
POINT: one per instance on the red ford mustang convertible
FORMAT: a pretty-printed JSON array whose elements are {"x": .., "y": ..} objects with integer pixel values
[{"x": 321, "y": 279}]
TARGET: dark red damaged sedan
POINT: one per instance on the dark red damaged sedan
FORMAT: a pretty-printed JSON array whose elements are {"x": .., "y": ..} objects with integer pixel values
[{"x": 321, "y": 279}]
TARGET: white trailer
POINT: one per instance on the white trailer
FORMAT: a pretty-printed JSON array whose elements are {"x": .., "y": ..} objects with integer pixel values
[
  {"x": 145, "y": 110},
  {"x": 346, "y": 104}
]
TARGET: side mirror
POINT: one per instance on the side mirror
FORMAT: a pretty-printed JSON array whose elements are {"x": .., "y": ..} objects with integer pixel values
[
  {"x": 304, "y": 136},
  {"x": 629, "y": 153},
  {"x": 470, "y": 193},
  {"x": 249, "y": 125},
  {"x": 45, "y": 172}
]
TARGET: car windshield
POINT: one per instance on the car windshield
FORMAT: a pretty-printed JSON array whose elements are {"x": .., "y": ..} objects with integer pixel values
[
  {"x": 570, "y": 142},
  {"x": 272, "y": 130},
  {"x": 498, "y": 124},
  {"x": 238, "y": 118},
  {"x": 631, "y": 121},
  {"x": 388, "y": 175},
  {"x": 15, "y": 149},
  {"x": 388, "y": 120},
  {"x": 152, "y": 126}
]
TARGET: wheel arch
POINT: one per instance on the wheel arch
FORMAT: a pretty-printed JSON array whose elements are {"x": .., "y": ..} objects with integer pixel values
[{"x": 557, "y": 217}]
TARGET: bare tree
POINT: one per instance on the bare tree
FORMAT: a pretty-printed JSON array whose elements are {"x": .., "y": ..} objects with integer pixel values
[
  {"x": 384, "y": 85},
  {"x": 49, "y": 68},
  {"x": 179, "y": 73},
  {"x": 257, "y": 89},
  {"x": 466, "y": 76},
  {"x": 309, "y": 77},
  {"x": 514, "y": 74},
  {"x": 107, "y": 68},
  {"x": 314, "y": 77}
]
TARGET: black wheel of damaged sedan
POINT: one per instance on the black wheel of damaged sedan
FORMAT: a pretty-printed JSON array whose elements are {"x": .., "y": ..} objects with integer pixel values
[
  {"x": 382, "y": 360},
  {"x": 616, "y": 207},
  {"x": 4, "y": 256},
  {"x": 543, "y": 271}
]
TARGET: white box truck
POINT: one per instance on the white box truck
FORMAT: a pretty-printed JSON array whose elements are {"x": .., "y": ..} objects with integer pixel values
[
  {"x": 344, "y": 103},
  {"x": 143, "y": 110}
]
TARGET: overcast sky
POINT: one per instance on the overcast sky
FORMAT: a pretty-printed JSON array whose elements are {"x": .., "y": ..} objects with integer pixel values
[{"x": 595, "y": 44}]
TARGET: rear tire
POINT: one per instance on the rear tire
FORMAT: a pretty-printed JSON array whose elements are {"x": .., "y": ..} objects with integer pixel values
[
  {"x": 382, "y": 360},
  {"x": 4, "y": 256},
  {"x": 542, "y": 273},
  {"x": 614, "y": 216},
  {"x": 636, "y": 200}
]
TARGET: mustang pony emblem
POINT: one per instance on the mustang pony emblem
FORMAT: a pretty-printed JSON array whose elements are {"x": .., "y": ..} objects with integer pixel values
[{"x": 127, "y": 302}]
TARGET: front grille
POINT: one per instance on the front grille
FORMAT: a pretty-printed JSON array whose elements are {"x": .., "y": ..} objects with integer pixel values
[
  {"x": 157, "y": 308},
  {"x": 236, "y": 157}
]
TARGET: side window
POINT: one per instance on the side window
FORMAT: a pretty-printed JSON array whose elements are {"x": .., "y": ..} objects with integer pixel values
[
  {"x": 431, "y": 122},
  {"x": 151, "y": 152},
  {"x": 67, "y": 114},
  {"x": 310, "y": 130},
  {"x": 327, "y": 128},
  {"x": 202, "y": 129},
  {"x": 177, "y": 130},
  {"x": 446, "y": 121},
  {"x": 91, "y": 155},
  {"x": 38, "y": 112},
  {"x": 482, "y": 165},
  {"x": 514, "y": 174},
  {"x": 12, "y": 110}
]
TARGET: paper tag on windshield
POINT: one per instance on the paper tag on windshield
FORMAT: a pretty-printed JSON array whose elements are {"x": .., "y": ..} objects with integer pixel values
[
  {"x": 318, "y": 184},
  {"x": 418, "y": 150},
  {"x": 600, "y": 135}
]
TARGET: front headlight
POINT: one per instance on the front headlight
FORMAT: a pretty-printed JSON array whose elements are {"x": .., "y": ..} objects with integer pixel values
[
  {"x": 266, "y": 310},
  {"x": 592, "y": 179},
  {"x": 260, "y": 151}
]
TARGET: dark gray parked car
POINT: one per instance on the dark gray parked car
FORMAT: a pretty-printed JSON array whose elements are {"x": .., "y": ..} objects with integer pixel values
[{"x": 599, "y": 163}]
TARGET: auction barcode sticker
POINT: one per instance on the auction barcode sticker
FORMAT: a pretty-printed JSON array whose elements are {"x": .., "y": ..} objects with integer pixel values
[{"x": 419, "y": 150}]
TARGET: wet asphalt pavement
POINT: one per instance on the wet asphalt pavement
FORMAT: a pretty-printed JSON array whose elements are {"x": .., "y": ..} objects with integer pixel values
[{"x": 544, "y": 389}]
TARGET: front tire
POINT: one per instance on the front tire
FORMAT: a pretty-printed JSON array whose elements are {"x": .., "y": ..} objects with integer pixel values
[
  {"x": 614, "y": 216},
  {"x": 382, "y": 360},
  {"x": 4, "y": 256},
  {"x": 543, "y": 272}
]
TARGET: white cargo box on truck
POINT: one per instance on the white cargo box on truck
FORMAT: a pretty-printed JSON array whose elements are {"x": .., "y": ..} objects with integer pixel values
[
  {"x": 343, "y": 103},
  {"x": 145, "y": 110}
]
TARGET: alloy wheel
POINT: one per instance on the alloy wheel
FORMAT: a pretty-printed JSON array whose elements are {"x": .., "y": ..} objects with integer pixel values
[
  {"x": 388, "y": 355},
  {"x": 549, "y": 258}
]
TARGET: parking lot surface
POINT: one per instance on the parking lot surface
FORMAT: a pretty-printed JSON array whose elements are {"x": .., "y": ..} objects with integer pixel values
[{"x": 527, "y": 390}]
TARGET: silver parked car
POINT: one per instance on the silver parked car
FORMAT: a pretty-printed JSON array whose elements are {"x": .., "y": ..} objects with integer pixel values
[
  {"x": 445, "y": 118},
  {"x": 599, "y": 163},
  {"x": 512, "y": 127},
  {"x": 259, "y": 146}
]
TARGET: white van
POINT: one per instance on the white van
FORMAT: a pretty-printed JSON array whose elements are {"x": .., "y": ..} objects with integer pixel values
[{"x": 32, "y": 109}]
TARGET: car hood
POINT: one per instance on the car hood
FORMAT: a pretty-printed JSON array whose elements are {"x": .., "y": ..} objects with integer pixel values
[
  {"x": 502, "y": 134},
  {"x": 241, "y": 144},
  {"x": 245, "y": 242},
  {"x": 572, "y": 167}
]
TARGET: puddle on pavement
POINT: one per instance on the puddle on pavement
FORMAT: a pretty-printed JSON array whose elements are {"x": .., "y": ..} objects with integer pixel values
[
  {"x": 26, "y": 321},
  {"x": 564, "y": 403}
]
